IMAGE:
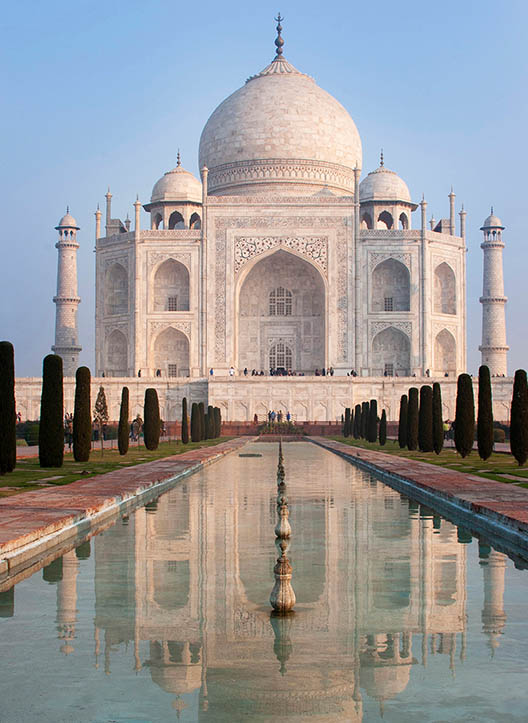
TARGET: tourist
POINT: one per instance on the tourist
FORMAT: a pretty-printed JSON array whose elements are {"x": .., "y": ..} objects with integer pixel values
[
  {"x": 158, "y": 372},
  {"x": 317, "y": 373},
  {"x": 273, "y": 415},
  {"x": 211, "y": 372},
  {"x": 331, "y": 371},
  {"x": 255, "y": 418},
  {"x": 279, "y": 416},
  {"x": 231, "y": 371},
  {"x": 323, "y": 372},
  {"x": 245, "y": 371},
  {"x": 288, "y": 417}
]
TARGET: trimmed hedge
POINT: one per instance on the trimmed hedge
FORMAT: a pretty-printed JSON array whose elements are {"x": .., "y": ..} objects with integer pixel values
[
  {"x": 438, "y": 422},
  {"x": 465, "y": 416},
  {"x": 364, "y": 420},
  {"x": 519, "y": 418},
  {"x": 184, "y": 422},
  {"x": 210, "y": 423},
  {"x": 372, "y": 424},
  {"x": 402, "y": 422},
  {"x": 412, "y": 419},
  {"x": 82, "y": 420},
  {"x": 51, "y": 429},
  {"x": 357, "y": 422},
  {"x": 195, "y": 423},
  {"x": 7, "y": 408},
  {"x": 152, "y": 424},
  {"x": 383, "y": 428},
  {"x": 346, "y": 426},
  {"x": 485, "y": 414},
  {"x": 201, "y": 413},
  {"x": 123, "y": 432},
  {"x": 425, "y": 419},
  {"x": 218, "y": 421}
]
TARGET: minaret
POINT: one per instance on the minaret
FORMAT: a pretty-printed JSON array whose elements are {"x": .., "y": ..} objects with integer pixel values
[
  {"x": 66, "y": 335},
  {"x": 494, "y": 349}
]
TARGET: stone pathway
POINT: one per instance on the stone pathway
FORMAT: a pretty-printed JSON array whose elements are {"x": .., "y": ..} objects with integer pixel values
[
  {"x": 27, "y": 518},
  {"x": 506, "y": 505}
]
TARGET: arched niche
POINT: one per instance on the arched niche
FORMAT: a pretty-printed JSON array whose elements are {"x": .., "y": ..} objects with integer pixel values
[
  {"x": 116, "y": 354},
  {"x": 444, "y": 289},
  {"x": 116, "y": 290},
  {"x": 195, "y": 221},
  {"x": 391, "y": 352},
  {"x": 391, "y": 287},
  {"x": 366, "y": 220},
  {"x": 282, "y": 301},
  {"x": 171, "y": 287},
  {"x": 171, "y": 583},
  {"x": 445, "y": 353},
  {"x": 385, "y": 220},
  {"x": 157, "y": 221},
  {"x": 170, "y": 353},
  {"x": 176, "y": 220},
  {"x": 403, "y": 222}
]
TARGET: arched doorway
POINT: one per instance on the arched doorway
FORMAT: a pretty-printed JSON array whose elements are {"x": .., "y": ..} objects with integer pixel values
[
  {"x": 281, "y": 315},
  {"x": 391, "y": 287},
  {"x": 171, "y": 287},
  {"x": 116, "y": 355},
  {"x": 171, "y": 353},
  {"x": 445, "y": 353},
  {"x": 444, "y": 289},
  {"x": 391, "y": 353}
]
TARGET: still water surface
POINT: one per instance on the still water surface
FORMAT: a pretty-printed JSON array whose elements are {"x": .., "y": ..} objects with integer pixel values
[{"x": 166, "y": 616}]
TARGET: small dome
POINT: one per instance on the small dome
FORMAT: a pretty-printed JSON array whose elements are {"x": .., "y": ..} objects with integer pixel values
[
  {"x": 384, "y": 185},
  {"x": 492, "y": 222},
  {"x": 67, "y": 221},
  {"x": 177, "y": 185}
]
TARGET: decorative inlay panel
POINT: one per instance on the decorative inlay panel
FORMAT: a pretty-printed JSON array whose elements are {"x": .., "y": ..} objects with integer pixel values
[
  {"x": 183, "y": 326},
  {"x": 155, "y": 257},
  {"x": 314, "y": 247},
  {"x": 111, "y": 260},
  {"x": 377, "y": 326}
]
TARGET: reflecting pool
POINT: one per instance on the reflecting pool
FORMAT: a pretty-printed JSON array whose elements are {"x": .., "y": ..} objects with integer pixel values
[{"x": 165, "y": 615}]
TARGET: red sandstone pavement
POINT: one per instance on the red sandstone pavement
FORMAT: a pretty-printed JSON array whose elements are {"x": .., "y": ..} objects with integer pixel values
[
  {"x": 505, "y": 503},
  {"x": 27, "y": 517}
]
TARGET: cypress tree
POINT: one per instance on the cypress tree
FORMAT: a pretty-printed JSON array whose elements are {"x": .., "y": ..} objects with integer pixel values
[
  {"x": 201, "y": 411},
  {"x": 438, "y": 422},
  {"x": 464, "y": 416},
  {"x": 101, "y": 414},
  {"x": 402, "y": 422},
  {"x": 485, "y": 414},
  {"x": 195, "y": 423},
  {"x": 519, "y": 418},
  {"x": 184, "y": 422},
  {"x": 425, "y": 419},
  {"x": 51, "y": 429},
  {"x": 346, "y": 427},
  {"x": 151, "y": 426},
  {"x": 218, "y": 421},
  {"x": 210, "y": 423},
  {"x": 7, "y": 408},
  {"x": 357, "y": 421},
  {"x": 412, "y": 419},
  {"x": 123, "y": 434},
  {"x": 364, "y": 419},
  {"x": 82, "y": 421},
  {"x": 206, "y": 426},
  {"x": 372, "y": 422},
  {"x": 383, "y": 428}
]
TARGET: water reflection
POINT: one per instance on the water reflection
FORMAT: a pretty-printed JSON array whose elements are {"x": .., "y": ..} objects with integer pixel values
[{"x": 184, "y": 583}]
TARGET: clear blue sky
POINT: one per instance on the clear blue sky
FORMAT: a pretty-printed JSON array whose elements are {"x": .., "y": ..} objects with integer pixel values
[{"x": 103, "y": 93}]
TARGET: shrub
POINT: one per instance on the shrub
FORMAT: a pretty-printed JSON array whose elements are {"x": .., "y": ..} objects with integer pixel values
[
  {"x": 425, "y": 419},
  {"x": 357, "y": 421},
  {"x": 195, "y": 423},
  {"x": 82, "y": 423},
  {"x": 51, "y": 430},
  {"x": 31, "y": 434},
  {"x": 152, "y": 425},
  {"x": 383, "y": 428},
  {"x": 123, "y": 434},
  {"x": 184, "y": 422},
  {"x": 346, "y": 426},
  {"x": 519, "y": 418},
  {"x": 402, "y": 422},
  {"x": 218, "y": 421},
  {"x": 210, "y": 423},
  {"x": 499, "y": 435},
  {"x": 464, "y": 416},
  {"x": 372, "y": 423},
  {"x": 438, "y": 422},
  {"x": 7, "y": 408},
  {"x": 412, "y": 419},
  {"x": 201, "y": 413},
  {"x": 485, "y": 414}
]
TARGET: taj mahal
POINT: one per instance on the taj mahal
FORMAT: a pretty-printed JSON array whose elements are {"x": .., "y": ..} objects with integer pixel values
[{"x": 281, "y": 257}]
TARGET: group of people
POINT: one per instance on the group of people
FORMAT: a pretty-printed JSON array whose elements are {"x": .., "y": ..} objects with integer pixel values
[
  {"x": 323, "y": 372},
  {"x": 278, "y": 417}
]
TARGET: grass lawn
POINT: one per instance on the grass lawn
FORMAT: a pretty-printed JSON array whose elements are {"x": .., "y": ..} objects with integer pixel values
[
  {"x": 28, "y": 475},
  {"x": 495, "y": 467}
]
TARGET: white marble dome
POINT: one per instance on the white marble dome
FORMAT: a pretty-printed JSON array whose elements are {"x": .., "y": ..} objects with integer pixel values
[
  {"x": 384, "y": 185},
  {"x": 67, "y": 221},
  {"x": 492, "y": 221},
  {"x": 280, "y": 131},
  {"x": 177, "y": 185}
]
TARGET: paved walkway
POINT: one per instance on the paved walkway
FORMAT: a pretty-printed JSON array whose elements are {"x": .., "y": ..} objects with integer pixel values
[
  {"x": 27, "y": 518},
  {"x": 505, "y": 505}
]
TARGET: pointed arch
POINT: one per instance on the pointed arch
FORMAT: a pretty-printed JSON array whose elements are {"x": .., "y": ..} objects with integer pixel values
[
  {"x": 195, "y": 221},
  {"x": 176, "y": 220},
  {"x": 385, "y": 220},
  {"x": 171, "y": 287},
  {"x": 391, "y": 350},
  {"x": 403, "y": 221},
  {"x": 116, "y": 354},
  {"x": 157, "y": 221},
  {"x": 170, "y": 353},
  {"x": 116, "y": 290},
  {"x": 391, "y": 287},
  {"x": 444, "y": 289},
  {"x": 445, "y": 353},
  {"x": 366, "y": 220}
]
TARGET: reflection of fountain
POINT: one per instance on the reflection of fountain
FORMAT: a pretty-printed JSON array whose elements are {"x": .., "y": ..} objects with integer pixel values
[
  {"x": 282, "y": 647},
  {"x": 282, "y": 596}
]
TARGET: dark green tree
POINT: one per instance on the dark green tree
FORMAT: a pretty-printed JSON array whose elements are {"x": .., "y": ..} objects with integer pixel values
[
  {"x": 383, "y": 428},
  {"x": 206, "y": 426},
  {"x": 464, "y": 416},
  {"x": 357, "y": 421},
  {"x": 218, "y": 421},
  {"x": 372, "y": 423},
  {"x": 364, "y": 419},
  {"x": 123, "y": 430},
  {"x": 201, "y": 411},
  {"x": 485, "y": 414},
  {"x": 184, "y": 422},
  {"x": 402, "y": 422},
  {"x": 412, "y": 419},
  {"x": 7, "y": 408},
  {"x": 519, "y": 418},
  {"x": 101, "y": 415},
  {"x": 195, "y": 423},
  {"x": 82, "y": 420},
  {"x": 152, "y": 423},
  {"x": 51, "y": 430},
  {"x": 425, "y": 419},
  {"x": 346, "y": 426},
  {"x": 210, "y": 423},
  {"x": 438, "y": 422}
]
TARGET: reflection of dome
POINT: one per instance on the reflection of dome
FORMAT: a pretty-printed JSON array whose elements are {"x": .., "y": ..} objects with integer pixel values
[
  {"x": 383, "y": 185},
  {"x": 177, "y": 185},
  {"x": 280, "y": 127},
  {"x": 177, "y": 679},
  {"x": 383, "y": 682},
  {"x": 67, "y": 221}
]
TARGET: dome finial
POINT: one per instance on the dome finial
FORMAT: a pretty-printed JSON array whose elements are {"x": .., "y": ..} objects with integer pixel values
[
  {"x": 279, "y": 42},
  {"x": 178, "y": 158},
  {"x": 68, "y": 209},
  {"x": 381, "y": 158},
  {"x": 492, "y": 210}
]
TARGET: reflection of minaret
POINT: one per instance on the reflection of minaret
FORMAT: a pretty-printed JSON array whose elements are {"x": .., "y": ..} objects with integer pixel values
[
  {"x": 67, "y": 601},
  {"x": 493, "y": 616}
]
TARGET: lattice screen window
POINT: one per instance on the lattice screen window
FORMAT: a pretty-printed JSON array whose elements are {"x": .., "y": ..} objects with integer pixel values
[
  {"x": 389, "y": 303},
  {"x": 280, "y": 356},
  {"x": 172, "y": 303},
  {"x": 280, "y": 302},
  {"x": 173, "y": 370},
  {"x": 389, "y": 370}
]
